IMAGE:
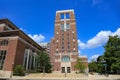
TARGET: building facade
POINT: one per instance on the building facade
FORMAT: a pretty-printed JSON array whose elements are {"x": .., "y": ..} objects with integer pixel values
[
  {"x": 64, "y": 45},
  {"x": 46, "y": 46},
  {"x": 16, "y": 48}
]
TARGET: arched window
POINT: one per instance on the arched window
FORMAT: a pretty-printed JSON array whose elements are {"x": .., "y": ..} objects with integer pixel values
[{"x": 65, "y": 58}]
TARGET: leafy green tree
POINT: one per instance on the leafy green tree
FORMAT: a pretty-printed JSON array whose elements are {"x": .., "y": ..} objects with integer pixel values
[
  {"x": 43, "y": 61},
  {"x": 79, "y": 65},
  {"x": 111, "y": 54},
  {"x": 93, "y": 67}
]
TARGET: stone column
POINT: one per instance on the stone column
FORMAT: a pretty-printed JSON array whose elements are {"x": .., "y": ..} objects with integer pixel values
[
  {"x": 34, "y": 60},
  {"x": 30, "y": 60},
  {"x": 28, "y": 52}
]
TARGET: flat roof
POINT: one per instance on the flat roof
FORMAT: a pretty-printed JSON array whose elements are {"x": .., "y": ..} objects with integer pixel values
[{"x": 62, "y": 11}]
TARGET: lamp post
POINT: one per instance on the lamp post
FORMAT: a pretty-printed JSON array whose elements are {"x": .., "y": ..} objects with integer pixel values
[
  {"x": 11, "y": 71},
  {"x": 104, "y": 63}
]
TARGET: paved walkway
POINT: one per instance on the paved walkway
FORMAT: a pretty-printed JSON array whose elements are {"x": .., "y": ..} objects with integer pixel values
[{"x": 60, "y": 76}]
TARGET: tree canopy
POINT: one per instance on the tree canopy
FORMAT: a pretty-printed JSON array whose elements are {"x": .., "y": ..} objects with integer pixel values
[
  {"x": 79, "y": 65},
  {"x": 111, "y": 57},
  {"x": 43, "y": 61},
  {"x": 112, "y": 53}
]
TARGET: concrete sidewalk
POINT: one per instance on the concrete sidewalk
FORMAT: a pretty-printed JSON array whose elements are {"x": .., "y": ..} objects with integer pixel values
[{"x": 58, "y": 76}]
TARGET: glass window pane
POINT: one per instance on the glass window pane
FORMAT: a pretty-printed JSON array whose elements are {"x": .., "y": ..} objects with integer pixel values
[
  {"x": 62, "y": 26},
  {"x": 65, "y": 58},
  {"x": 61, "y": 16},
  {"x": 67, "y": 26},
  {"x": 67, "y": 16}
]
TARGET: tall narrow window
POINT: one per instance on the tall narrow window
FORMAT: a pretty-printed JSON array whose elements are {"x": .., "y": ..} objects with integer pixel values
[
  {"x": 67, "y": 26},
  {"x": 62, "y": 16},
  {"x": 62, "y": 26},
  {"x": 67, "y": 16},
  {"x": 2, "y": 58},
  {"x": 4, "y": 42}
]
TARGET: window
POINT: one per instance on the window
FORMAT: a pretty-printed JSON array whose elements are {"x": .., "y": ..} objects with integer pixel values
[
  {"x": 68, "y": 47},
  {"x": 4, "y": 42},
  {"x": 67, "y": 26},
  {"x": 68, "y": 38},
  {"x": 68, "y": 42},
  {"x": 62, "y": 26},
  {"x": 62, "y": 47},
  {"x": 62, "y": 43},
  {"x": 62, "y": 38},
  {"x": 62, "y": 16},
  {"x": 67, "y": 16},
  {"x": 68, "y": 69},
  {"x": 68, "y": 34},
  {"x": 2, "y": 58},
  {"x": 74, "y": 46},
  {"x": 65, "y": 58}
]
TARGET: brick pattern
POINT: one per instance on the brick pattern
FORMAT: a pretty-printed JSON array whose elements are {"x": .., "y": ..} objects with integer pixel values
[
  {"x": 66, "y": 39},
  {"x": 10, "y": 56}
]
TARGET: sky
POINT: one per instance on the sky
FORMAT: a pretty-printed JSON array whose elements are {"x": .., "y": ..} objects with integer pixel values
[{"x": 95, "y": 20}]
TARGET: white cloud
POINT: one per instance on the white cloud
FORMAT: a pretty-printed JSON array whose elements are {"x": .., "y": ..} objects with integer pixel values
[
  {"x": 100, "y": 39},
  {"x": 37, "y": 37},
  {"x": 94, "y": 57},
  {"x": 81, "y": 44}
]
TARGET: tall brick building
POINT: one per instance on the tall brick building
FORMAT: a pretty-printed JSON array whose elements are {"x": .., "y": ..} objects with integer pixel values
[
  {"x": 16, "y": 48},
  {"x": 64, "y": 45}
]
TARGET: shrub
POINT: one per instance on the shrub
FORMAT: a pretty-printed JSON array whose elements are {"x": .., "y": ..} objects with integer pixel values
[{"x": 19, "y": 70}]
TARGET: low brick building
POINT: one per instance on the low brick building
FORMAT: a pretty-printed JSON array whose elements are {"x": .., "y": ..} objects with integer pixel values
[{"x": 16, "y": 48}]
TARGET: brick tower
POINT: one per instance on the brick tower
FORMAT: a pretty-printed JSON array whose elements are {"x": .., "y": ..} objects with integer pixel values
[{"x": 64, "y": 46}]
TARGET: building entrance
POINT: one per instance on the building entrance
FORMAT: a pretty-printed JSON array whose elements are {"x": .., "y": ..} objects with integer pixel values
[
  {"x": 63, "y": 69},
  {"x": 66, "y": 69}
]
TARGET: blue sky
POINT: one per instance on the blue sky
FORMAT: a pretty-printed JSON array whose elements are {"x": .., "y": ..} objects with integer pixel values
[{"x": 95, "y": 19}]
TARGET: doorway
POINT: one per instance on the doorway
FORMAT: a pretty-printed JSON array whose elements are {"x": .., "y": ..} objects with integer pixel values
[{"x": 63, "y": 69}]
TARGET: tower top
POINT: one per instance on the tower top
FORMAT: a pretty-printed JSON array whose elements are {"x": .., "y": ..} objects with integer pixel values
[{"x": 64, "y": 11}]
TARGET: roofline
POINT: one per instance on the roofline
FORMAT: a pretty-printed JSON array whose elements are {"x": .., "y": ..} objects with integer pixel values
[
  {"x": 62, "y": 11},
  {"x": 5, "y": 20}
]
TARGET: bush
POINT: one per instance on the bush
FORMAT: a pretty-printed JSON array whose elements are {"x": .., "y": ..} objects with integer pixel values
[
  {"x": 19, "y": 70},
  {"x": 31, "y": 71}
]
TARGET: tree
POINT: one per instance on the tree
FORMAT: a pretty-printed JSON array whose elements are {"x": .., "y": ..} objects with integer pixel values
[
  {"x": 80, "y": 66},
  {"x": 43, "y": 61},
  {"x": 112, "y": 54},
  {"x": 93, "y": 67}
]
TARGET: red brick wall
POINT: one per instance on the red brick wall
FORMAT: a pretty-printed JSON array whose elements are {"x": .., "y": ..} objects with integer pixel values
[
  {"x": 20, "y": 53},
  {"x": 57, "y": 66},
  {"x": 10, "y": 55},
  {"x": 72, "y": 66}
]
